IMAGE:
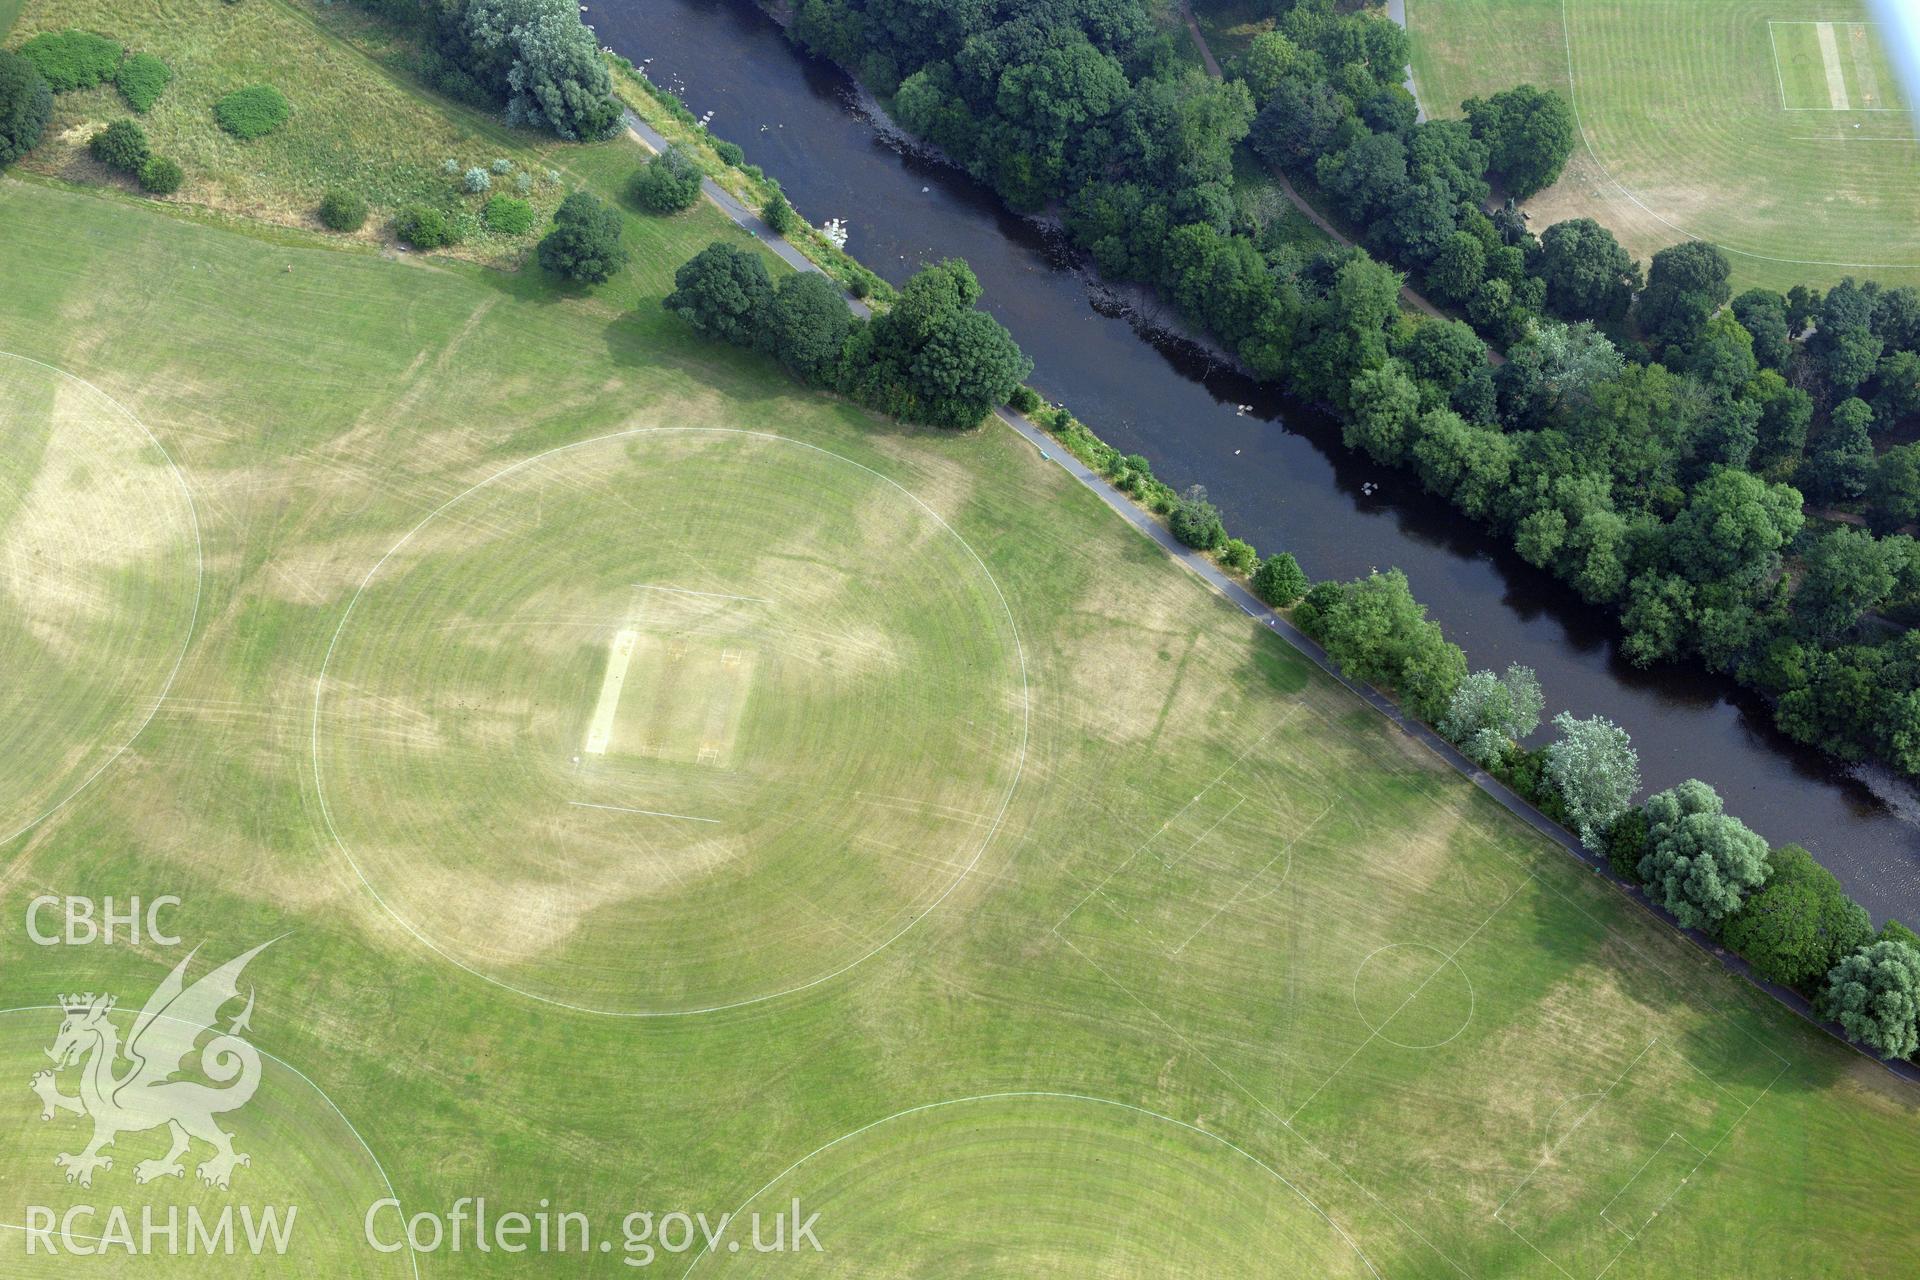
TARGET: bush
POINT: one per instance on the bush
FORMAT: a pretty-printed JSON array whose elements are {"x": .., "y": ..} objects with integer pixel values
[
  {"x": 141, "y": 79},
  {"x": 72, "y": 59},
  {"x": 342, "y": 211},
  {"x": 667, "y": 183},
  {"x": 477, "y": 181},
  {"x": 26, "y": 103},
  {"x": 584, "y": 244},
  {"x": 502, "y": 165},
  {"x": 252, "y": 112},
  {"x": 449, "y": 166},
  {"x": 1627, "y": 844},
  {"x": 423, "y": 228},
  {"x": 160, "y": 176},
  {"x": 1024, "y": 400},
  {"x": 121, "y": 145},
  {"x": 1237, "y": 556},
  {"x": 1196, "y": 521},
  {"x": 508, "y": 216},
  {"x": 1279, "y": 580},
  {"x": 779, "y": 214},
  {"x": 523, "y": 182},
  {"x": 729, "y": 153}
]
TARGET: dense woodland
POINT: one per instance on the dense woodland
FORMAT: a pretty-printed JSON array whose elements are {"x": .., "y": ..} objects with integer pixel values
[{"x": 1650, "y": 439}]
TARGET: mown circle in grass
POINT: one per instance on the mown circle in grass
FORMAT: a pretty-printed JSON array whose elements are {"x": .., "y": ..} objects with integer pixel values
[
  {"x": 307, "y": 1166},
  {"x": 670, "y": 720},
  {"x": 99, "y": 584},
  {"x": 1412, "y": 995},
  {"x": 1033, "y": 1184}
]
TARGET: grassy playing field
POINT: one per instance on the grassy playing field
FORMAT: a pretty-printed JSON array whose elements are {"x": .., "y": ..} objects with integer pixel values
[
  {"x": 1775, "y": 128},
  {"x": 1239, "y": 982}
]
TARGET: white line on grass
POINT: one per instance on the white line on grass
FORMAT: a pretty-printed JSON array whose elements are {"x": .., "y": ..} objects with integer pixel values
[
  {"x": 651, "y": 813},
  {"x": 1573, "y": 99},
  {"x": 193, "y": 615},
  {"x": 1222, "y": 909},
  {"x": 1604, "y": 1095},
  {"x": 1013, "y": 784},
  {"x": 710, "y": 595}
]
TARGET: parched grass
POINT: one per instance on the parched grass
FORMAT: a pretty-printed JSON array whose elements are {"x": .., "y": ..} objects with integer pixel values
[
  {"x": 1224, "y": 892},
  {"x": 356, "y": 124},
  {"x": 1696, "y": 123}
]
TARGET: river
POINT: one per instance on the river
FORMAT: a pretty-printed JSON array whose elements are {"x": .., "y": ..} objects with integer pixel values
[{"x": 1277, "y": 471}]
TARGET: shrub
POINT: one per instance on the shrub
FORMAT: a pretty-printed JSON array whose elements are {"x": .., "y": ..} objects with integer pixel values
[
  {"x": 423, "y": 227},
  {"x": 121, "y": 145},
  {"x": 1279, "y": 580},
  {"x": 26, "y": 103},
  {"x": 160, "y": 176},
  {"x": 449, "y": 166},
  {"x": 667, "y": 183},
  {"x": 508, "y": 216},
  {"x": 252, "y": 112},
  {"x": 342, "y": 211},
  {"x": 779, "y": 214},
  {"x": 1024, "y": 400},
  {"x": 584, "y": 244},
  {"x": 72, "y": 59},
  {"x": 1237, "y": 556},
  {"x": 523, "y": 182},
  {"x": 502, "y": 165},
  {"x": 729, "y": 153},
  {"x": 477, "y": 181},
  {"x": 141, "y": 79},
  {"x": 1196, "y": 521}
]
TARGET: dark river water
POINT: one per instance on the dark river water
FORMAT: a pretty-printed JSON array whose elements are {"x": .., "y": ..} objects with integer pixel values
[{"x": 1277, "y": 471}]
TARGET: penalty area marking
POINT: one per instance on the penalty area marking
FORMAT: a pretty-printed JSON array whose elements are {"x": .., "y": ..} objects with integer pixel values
[{"x": 420, "y": 936}]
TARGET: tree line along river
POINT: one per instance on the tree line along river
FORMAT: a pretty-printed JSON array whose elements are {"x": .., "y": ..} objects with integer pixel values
[{"x": 1276, "y": 469}]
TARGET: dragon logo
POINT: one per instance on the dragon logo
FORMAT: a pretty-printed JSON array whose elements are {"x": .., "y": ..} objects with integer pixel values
[{"x": 143, "y": 1094}]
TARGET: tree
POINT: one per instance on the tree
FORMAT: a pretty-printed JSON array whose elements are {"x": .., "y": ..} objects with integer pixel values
[
  {"x": 1875, "y": 995},
  {"x": 807, "y": 326},
  {"x": 1529, "y": 134},
  {"x": 779, "y": 214},
  {"x": 1848, "y": 572},
  {"x": 1686, "y": 283},
  {"x": 1269, "y": 60},
  {"x": 1595, "y": 770},
  {"x": 121, "y": 145},
  {"x": 1801, "y": 924},
  {"x": 1195, "y": 521},
  {"x": 724, "y": 292},
  {"x": 26, "y": 104},
  {"x": 1589, "y": 276},
  {"x": 342, "y": 211},
  {"x": 1379, "y": 633},
  {"x": 1843, "y": 341},
  {"x": 1843, "y": 461},
  {"x": 1489, "y": 713},
  {"x": 970, "y": 363},
  {"x": 1733, "y": 528},
  {"x": 538, "y": 56},
  {"x": 1279, "y": 580},
  {"x": 1894, "y": 490},
  {"x": 1763, "y": 313},
  {"x": 584, "y": 244},
  {"x": 1700, "y": 863},
  {"x": 667, "y": 183}
]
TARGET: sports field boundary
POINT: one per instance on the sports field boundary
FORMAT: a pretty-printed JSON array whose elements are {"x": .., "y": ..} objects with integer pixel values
[{"x": 1197, "y": 564}]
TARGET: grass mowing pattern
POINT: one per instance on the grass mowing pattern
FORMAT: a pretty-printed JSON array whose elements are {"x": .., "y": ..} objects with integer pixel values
[
  {"x": 685, "y": 682},
  {"x": 253, "y": 112},
  {"x": 100, "y": 575},
  {"x": 1695, "y": 123},
  {"x": 1210, "y": 897}
]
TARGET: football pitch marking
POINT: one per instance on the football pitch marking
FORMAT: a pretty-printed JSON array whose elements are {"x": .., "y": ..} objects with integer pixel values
[
  {"x": 650, "y": 813},
  {"x": 600, "y": 728}
]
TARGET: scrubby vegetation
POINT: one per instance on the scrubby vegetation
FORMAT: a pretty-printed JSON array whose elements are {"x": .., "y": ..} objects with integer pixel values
[
  {"x": 253, "y": 112},
  {"x": 160, "y": 176},
  {"x": 668, "y": 183},
  {"x": 141, "y": 80},
  {"x": 584, "y": 244},
  {"x": 122, "y": 145},
  {"x": 342, "y": 211},
  {"x": 508, "y": 216},
  {"x": 423, "y": 227},
  {"x": 73, "y": 59}
]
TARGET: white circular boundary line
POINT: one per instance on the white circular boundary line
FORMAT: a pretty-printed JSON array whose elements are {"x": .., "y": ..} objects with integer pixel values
[
  {"x": 193, "y": 614},
  {"x": 413, "y": 1256},
  {"x": 1048, "y": 1095},
  {"x": 993, "y": 829},
  {"x": 1573, "y": 100},
  {"x": 1473, "y": 1000}
]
